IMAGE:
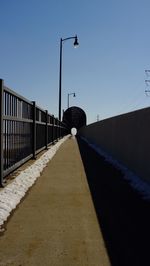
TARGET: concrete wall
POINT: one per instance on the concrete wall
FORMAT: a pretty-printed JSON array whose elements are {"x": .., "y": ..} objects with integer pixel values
[{"x": 126, "y": 137}]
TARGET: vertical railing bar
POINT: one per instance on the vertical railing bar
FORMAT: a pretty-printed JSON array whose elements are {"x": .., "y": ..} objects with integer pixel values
[
  {"x": 55, "y": 129},
  {"x": 1, "y": 133},
  {"x": 7, "y": 103},
  {"x": 46, "y": 129},
  {"x": 7, "y": 131},
  {"x": 10, "y": 105},
  {"x": 52, "y": 129},
  {"x": 4, "y": 145},
  {"x": 17, "y": 138},
  {"x": 7, "y": 142},
  {"x": 34, "y": 130}
]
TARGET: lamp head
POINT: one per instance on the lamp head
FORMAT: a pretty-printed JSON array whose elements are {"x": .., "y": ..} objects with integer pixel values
[
  {"x": 74, "y": 95},
  {"x": 76, "y": 41}
]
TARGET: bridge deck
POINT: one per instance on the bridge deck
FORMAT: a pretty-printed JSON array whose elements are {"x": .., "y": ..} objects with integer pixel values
[{"x": 56, "y": 223}]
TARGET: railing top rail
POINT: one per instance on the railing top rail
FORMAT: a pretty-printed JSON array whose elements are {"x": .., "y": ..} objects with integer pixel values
[
  {"x": 6, "y": 89},
  {"x": 43, "y": 110},
  {"x": 22, "y": 98},
  {"x": 39, "y": 108}
]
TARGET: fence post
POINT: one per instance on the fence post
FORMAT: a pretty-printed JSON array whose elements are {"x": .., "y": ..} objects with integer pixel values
[
  {"x": 53, "y": 129},
  {"x": 1, "y": 133},
  {"x": 34, "y": 130},
  {"x": 59, "y": 129},
  {"x": 46, "y": 129}
]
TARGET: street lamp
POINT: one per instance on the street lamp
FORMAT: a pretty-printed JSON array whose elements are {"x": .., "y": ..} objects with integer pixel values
[
  {"x": 60, "y": 69},
  {"x": 74, "y": 95}
]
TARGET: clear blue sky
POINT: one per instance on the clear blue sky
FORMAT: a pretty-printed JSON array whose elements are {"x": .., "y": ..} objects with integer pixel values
[{"x": 107, "y": 71}]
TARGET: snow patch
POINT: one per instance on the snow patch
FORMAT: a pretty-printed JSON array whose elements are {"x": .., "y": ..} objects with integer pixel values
[{"x": 11, "y": 195}]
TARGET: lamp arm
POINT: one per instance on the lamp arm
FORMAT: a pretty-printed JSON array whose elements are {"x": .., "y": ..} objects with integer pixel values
[
  {"x": 73, "y": 37},
  {"x": 71, "y": 93}
]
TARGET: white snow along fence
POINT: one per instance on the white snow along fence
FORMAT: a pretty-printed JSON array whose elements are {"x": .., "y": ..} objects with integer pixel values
[{"x": 11, "y": 195}]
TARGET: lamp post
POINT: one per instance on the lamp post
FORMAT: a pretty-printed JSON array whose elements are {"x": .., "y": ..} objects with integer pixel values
[
  {"x": 60, "y": 67},
  {"x": 72, "y": 93}
]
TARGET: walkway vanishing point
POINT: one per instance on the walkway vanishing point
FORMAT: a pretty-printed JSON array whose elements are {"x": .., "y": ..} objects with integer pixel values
[{"x": 69, "y": 218}]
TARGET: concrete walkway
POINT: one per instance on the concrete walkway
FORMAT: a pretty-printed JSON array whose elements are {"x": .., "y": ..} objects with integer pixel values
[{"x": 56, "y": 223}]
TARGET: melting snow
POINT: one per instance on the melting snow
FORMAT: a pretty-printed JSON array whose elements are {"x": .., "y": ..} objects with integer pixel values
[{"x": 11, "y": 195}]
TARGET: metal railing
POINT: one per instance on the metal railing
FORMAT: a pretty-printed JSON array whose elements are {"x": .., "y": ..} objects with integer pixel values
[{"x": 25, "y": 129}]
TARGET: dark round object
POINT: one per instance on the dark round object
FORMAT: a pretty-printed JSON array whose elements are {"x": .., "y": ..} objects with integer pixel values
[{"x": 74, "y": 117}]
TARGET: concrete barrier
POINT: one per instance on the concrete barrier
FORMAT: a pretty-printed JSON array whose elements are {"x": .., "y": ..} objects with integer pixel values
[{"x": 126, "y": 137}]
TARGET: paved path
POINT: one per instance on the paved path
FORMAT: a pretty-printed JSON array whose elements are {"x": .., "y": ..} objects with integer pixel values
[{"x": 56, "y": 223}]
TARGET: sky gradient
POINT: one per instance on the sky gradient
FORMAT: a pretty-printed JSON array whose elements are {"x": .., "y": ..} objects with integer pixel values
[{"x": 107, "y": 70}]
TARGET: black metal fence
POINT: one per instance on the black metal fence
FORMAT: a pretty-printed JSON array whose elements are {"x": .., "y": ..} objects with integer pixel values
[{"x": 25, "y": 130}]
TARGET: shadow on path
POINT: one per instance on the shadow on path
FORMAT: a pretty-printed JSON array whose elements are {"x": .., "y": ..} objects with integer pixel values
[{"x": 124, "y": 217}]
